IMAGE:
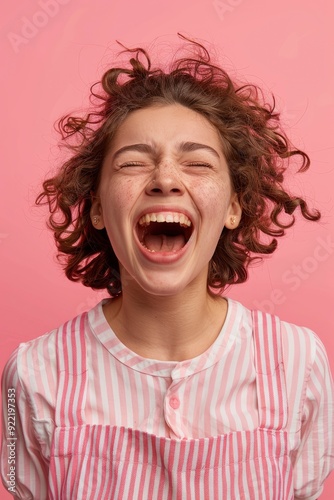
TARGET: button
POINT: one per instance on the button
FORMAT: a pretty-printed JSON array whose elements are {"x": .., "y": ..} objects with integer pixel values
[{"x": 174, "y": 402}]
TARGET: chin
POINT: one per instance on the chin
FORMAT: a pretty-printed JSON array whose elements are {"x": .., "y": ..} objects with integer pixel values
[{"x": 168, "y": 284}]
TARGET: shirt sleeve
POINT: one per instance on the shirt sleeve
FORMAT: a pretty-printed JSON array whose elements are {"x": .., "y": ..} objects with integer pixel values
[
  {"x": 24, "y": 470},
  {"x": 314, "y": 458}
]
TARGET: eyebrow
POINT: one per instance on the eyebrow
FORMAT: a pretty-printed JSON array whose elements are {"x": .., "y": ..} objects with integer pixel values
[{"x": 183, "y": 147}]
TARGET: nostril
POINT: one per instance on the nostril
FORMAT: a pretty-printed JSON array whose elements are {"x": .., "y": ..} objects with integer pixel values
[{"x": 163, "y": 184}]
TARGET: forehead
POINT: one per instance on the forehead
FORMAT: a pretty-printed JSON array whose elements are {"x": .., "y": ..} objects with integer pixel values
[{"x": 163, "y": 124}]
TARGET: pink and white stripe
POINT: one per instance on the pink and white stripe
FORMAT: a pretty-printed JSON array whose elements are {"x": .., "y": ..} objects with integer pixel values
[
  {"x": 214, "y": 400},
  {"x": 109, "y": 462},
  {"x": 119, "y": 463}
]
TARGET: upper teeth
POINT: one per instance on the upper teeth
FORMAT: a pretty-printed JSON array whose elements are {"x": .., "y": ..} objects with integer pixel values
[{"x": 165, "y": 217}]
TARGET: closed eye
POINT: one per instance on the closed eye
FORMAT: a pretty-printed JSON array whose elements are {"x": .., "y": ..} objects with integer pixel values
[
  {"x": 141, "y": 164},
  {"x": 199, "y": 164},
  {"x": 131, "y": 164}
]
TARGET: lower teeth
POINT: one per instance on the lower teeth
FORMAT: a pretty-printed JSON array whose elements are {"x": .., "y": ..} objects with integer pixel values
[{"x": 152, "y": 251}]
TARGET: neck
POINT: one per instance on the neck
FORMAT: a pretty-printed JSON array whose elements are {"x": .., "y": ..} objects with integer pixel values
[{"x": 170, "y": 328}]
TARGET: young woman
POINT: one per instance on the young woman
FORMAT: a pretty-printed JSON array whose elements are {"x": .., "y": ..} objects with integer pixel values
[{"x": 170, "y": 390}]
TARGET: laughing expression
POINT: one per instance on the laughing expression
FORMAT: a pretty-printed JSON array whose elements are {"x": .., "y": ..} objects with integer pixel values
[{"x": 164, "y": 197}]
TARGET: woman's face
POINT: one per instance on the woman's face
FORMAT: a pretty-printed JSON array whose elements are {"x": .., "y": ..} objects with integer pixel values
[{"x": 164, "y": 198}]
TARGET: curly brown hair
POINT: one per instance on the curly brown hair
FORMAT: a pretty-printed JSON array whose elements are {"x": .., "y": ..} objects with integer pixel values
[{"x": 255, "y": 146}]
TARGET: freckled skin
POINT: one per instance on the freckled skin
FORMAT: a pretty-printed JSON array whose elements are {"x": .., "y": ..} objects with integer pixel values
[{"x": 195, "y": 181}]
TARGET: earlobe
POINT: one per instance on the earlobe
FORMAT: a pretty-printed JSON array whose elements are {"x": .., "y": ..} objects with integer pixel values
[
  {"x": 96, "y": 215},
  {"x": 234, "y": 213}
]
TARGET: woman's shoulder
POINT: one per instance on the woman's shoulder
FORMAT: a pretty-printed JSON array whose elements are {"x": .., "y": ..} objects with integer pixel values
[
  {"x": 298, "y": 341},
  {"x": 304, "y": 351},
  {"x": 33, "y": 359},
  {"x": 31, "y": 363}
]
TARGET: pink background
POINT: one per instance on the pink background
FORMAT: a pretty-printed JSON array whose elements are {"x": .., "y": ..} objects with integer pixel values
[{"x": 54, "y": 49}]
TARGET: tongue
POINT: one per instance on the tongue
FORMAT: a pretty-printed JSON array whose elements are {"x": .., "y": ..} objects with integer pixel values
[{"x": 164, "y": 243}]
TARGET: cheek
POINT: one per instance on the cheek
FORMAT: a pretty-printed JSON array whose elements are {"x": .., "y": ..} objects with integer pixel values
[
  {"x": 118, "y": 199},
  {"x": 214, "y": 199}
]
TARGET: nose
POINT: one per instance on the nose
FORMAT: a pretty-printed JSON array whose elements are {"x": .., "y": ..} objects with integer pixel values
[{"x": 166, "y": 180}]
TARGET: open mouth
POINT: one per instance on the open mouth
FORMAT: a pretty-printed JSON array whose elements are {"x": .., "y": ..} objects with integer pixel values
[{"x": 164, "y": 232}]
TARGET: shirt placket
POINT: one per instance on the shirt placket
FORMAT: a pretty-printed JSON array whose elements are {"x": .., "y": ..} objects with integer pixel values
[{"x": 174, "y": 409}]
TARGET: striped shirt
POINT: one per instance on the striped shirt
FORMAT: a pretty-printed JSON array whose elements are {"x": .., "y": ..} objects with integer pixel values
[{"x": 211, "y": 395}]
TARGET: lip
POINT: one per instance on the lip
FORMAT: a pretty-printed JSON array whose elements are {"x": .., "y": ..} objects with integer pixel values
[{"x": 163, "y": 257}]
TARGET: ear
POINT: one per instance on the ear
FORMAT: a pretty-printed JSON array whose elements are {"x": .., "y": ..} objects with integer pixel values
[
  {"x": 96, "y": 213},
  {"x": 234, "y": 213}
]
